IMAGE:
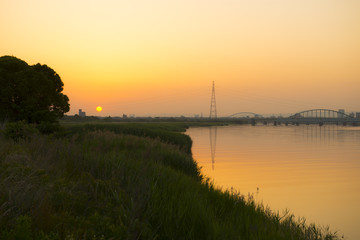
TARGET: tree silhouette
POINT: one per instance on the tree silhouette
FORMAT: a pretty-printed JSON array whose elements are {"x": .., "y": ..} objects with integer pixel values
[{"x": 30, "y": 93}]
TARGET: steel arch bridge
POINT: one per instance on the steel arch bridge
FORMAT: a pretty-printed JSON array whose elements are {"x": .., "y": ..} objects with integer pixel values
[
  {"x": 245, "y": 114},
  {"x": 321, "y": 114}
]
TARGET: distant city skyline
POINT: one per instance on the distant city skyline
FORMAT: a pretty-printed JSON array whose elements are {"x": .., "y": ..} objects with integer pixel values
[
  {"x": 159, "y": 57},
  {"x": 355, "y": 114}
]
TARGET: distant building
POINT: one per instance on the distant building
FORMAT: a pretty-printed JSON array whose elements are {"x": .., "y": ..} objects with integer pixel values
[
  {"x": 81, "y": 113},
  {"x": 125, "y": 116},
  {"x": 341, "y": 113},
  {"x": 358, "y": 115}
]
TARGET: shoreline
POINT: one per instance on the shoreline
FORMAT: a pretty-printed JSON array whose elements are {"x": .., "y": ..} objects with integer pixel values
[{"x": 124, "y": 181}]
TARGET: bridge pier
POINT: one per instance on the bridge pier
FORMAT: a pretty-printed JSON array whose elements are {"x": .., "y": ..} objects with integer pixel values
[{"x": 253, "y": 122}]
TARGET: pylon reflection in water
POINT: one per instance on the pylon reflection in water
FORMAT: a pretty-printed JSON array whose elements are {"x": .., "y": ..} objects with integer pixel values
[{"x": 213, "y": 133}]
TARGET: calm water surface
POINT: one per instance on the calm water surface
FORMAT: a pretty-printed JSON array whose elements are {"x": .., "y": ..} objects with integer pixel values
[{"x": 312, "y": 171}]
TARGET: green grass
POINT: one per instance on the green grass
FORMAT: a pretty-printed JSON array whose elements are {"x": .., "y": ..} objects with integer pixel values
[{"x": 124, "y": 181}]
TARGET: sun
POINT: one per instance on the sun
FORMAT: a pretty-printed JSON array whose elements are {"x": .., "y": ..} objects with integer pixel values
[{"x": 98, "y": 108}]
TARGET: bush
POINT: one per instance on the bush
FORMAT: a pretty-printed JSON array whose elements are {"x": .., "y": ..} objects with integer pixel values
[
  {"x": 48, "y": 127},
  {"x": 19, "y": 130}
]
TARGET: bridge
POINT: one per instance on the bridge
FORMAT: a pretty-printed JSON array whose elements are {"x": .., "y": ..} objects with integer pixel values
[
  {"x": 245, "y": 114},
  {"x": 313, "y": 116}
]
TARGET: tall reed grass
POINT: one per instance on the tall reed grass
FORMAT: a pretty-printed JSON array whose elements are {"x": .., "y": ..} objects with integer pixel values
[{"x": 114, "y": 181}]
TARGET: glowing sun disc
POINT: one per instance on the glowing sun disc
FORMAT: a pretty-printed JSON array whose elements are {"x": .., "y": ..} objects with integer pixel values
[{"x": 98, "y": 108}]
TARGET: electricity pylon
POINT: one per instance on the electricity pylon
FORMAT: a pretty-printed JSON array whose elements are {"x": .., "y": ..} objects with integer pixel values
[{"x": 213, "y": 113}]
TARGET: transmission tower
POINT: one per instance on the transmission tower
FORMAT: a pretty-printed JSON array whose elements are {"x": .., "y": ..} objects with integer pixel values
[{"x": 213, "y": 113}]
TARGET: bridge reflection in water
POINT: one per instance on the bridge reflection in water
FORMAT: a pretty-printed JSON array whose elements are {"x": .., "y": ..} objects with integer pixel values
[
  {"x": 311, "y": 170},
  {"x": 310, "y": 134}
]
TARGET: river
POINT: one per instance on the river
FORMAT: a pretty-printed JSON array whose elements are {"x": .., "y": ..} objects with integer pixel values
[{"x": 310, "y": 170}]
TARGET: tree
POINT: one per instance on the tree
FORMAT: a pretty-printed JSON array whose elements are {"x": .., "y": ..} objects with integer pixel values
[{"x": 30, "y": 93}]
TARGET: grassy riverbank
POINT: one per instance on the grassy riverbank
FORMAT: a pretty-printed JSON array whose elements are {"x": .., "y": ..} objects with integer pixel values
[{"x": 124, "y": 181}]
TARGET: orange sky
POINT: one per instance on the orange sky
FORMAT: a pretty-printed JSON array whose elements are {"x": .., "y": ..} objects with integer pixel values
[{"x": 160, "y": 57}]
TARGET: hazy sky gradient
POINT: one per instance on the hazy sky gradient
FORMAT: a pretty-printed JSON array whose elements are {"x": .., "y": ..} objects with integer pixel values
[{"x": 160, "y": 57}]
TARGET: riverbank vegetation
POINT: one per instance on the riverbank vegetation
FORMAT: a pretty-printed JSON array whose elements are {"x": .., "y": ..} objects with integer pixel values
[{"x": 124, "y": 181}]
